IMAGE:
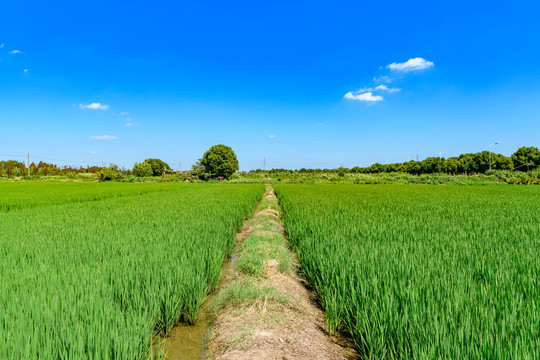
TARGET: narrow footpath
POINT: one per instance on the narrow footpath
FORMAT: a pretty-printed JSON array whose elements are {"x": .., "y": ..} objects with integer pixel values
[{"x": 264, "y": 310}]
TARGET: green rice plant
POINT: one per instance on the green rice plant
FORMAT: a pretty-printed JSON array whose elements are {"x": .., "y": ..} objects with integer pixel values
[
  {"x": 422, "y": 272},
  {"x": 99, "y": 279},
  {"x": 22, "y": 195}
]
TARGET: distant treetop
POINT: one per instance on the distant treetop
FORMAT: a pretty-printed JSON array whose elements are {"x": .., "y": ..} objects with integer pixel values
[{"x": 220, "y": 160}]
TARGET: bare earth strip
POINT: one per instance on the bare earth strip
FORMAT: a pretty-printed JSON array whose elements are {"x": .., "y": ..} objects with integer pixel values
[{"x": 264, "y": 311}]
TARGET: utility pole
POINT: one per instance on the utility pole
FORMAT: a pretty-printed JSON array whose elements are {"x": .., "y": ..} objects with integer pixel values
[
  {"x": 179, "y": 166},
  {"x": 264, "y": 164},
  {"x": 28, "y": 164}
]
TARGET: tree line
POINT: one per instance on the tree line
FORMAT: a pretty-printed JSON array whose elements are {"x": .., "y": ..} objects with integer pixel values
[
  {"x": 524, "y": 159},
  {"x": 221, "y": 162},
  {"x": 11, "y": 168}
]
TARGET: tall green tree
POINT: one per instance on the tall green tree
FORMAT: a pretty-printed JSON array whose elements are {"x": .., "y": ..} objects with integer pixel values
[
  {"x": 158, "y": 166},
  {"x": 526, "y": 157},
  {"x": 220, "y": 160}
]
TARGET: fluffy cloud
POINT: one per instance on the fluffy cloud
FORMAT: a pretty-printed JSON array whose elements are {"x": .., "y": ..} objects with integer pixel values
[
  {"x": 367, "y": 96},
  {"x": 129, "y": 124},
  {"x": 272, "y": 136},
  {"x": 94, "y": 106},
  {"x": 103, "y": 137},
  {"x": 93, "y": 152},
  {"x": 15, "y": 52},
  {"x": 411, "y": 65},
  {"x": 25, "y": 70},
  {"x": 123, "y": 113}
]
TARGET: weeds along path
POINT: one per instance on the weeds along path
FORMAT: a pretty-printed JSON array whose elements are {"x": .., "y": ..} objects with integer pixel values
[{"x": 263, "y": 310}]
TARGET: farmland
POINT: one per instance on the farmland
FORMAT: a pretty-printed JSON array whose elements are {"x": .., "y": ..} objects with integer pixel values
[
  {"x": 422, "y": 272},
  {"x": 96, "y": 270},
  {"x": 30, "y": 194}
]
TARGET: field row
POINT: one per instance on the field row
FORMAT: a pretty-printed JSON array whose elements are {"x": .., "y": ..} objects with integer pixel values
[
  {"x": 423, "y": 272},
  {"x": 99, "y": 279},
  {"x": 15, "y": 196}
]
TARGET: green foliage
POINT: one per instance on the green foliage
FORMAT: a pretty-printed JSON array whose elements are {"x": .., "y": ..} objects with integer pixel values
[
  {"x": 220, "y": 160},
  {"x": 97, "y": 280},
  {"x": 158, "y": 166},
  {"x": 526, "y": 157},
  {"x": 109, "y": 174},
  {"x": 142, "y": 169},
  {"x": 416, "y": 272}
]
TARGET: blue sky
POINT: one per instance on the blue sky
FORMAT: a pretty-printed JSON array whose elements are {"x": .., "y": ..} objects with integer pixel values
[{"x": 300, "y": 83}]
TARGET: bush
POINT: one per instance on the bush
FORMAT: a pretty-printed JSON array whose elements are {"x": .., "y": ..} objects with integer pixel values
[
  {"x": 87, "y": 176},
  {"x": 109, "y": 174},
  {"x": 142, "y": 169}
]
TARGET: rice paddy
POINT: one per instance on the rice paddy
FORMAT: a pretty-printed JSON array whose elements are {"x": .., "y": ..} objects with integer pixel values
[
  {"x": 97, "y": 270},
  {"x": 106, "y": 267},
  {"x": 423, "y": 272}
]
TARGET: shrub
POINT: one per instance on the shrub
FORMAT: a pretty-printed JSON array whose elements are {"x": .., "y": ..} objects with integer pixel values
[{"x": 142, "y": 169}]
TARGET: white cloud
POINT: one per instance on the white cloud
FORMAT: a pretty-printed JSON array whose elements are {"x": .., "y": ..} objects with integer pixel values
[
  {"x": 123, "y": 113},
  {"x": 2, "y": 45},
  {"x": 103, "y": 137},
  {"x": 94, "y": 106},
  {"x": 272, "y": 136},
  {"x": 129, "y": 124},
  {"x": 25, "y": 70},
  {"x": 411, "y": 65},
  {"x": 93, "y": 152},
  {"x": 377, "y": 88},
  {"x": 386, "y": 88},
  {"x": 383, "y": 79},
  {"x": 367, "y": 96},
  {"x": 15, "y": 52}
]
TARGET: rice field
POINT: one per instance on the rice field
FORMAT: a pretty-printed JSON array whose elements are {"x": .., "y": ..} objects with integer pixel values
[
  {"x": 25, "y": 195},
  {"x": 423, "y": 272},
  {"x": 94, "y": 271}
]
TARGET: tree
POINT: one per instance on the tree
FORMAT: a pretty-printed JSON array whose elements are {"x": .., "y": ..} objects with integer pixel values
[
  {"x": 220, "y": 160},
  {"x": 525, "y": 157},
  {"x": 341, "y": 171},
  {"x": 109, "y": 173},
  {"x": 501, "y": 162},
  {"x": 158, "y": 166},
  {"x": 431, "y": 165},
  {"x": 451, "y": 165},
  {"x": 142, "y": 169}
]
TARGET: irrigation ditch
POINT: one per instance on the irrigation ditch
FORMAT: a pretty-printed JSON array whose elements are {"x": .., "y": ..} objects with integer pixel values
[{"x": 262, "y": 308}]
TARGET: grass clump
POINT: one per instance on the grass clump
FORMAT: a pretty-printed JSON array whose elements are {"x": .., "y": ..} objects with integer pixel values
[
  {"x": 246, "y": 292},
  {"x": 257, "y": 249},
  {"x": 251, "y": 263}
]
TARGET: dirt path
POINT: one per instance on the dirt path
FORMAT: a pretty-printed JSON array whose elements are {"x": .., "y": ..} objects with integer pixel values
[{"x": 265, "y": 311}]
